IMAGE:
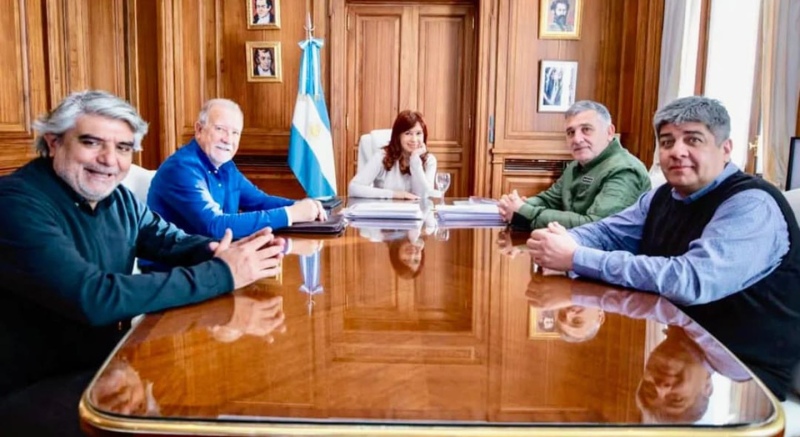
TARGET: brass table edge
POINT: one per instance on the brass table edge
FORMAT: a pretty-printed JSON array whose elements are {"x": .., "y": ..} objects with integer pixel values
[{"x": 112, "y": 423}]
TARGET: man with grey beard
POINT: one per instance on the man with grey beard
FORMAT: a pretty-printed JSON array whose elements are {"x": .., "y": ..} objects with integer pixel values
[{"x": 69, "y": 234}]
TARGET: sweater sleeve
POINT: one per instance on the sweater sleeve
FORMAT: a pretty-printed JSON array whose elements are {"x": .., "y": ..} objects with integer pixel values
[
  {"x": 526, "y": 216},
  {"x": 186, "y": 189},
  {"x": 251, "y": 198},
  {"x": 48, "y": 269},
  {"x": 362, "y": 183},
  {"x": 619, "y": 191},
  {"x": 422, "y": 179}
]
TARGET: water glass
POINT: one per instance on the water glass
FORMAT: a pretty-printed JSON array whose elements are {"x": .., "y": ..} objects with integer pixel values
[{"x": 442, "y": 182}]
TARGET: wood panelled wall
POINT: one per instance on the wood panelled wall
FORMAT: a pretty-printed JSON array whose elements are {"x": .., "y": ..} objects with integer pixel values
[
  {"x": 618, "y": 62},
  {"x": 50, "y": 48},
  {"x": 168, "y": 56}
]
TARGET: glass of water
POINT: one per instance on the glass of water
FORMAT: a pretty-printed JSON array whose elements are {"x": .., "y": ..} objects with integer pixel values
[{"x": 442, "y": 182}]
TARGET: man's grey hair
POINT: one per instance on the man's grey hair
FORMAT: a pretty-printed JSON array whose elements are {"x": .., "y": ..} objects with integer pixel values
[
  {"x": 695, "y": 109},
  {"x": 92, "y": 102},
  {"x": 589, "y": 105},
  {"x": 202, "y": 118}
]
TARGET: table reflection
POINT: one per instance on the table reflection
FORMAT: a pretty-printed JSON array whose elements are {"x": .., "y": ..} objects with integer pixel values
[
  {"x": 676, "y": 385},
  {"x": 471, "y": 338}
]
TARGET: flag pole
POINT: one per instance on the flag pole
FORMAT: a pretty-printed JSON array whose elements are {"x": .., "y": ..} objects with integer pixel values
[{"x": 308, "y": 27}]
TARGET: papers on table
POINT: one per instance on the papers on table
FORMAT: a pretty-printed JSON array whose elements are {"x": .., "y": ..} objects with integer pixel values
[
  {"x": 384, "y": 224},
  {"x": 470, "y": 215},
  {"x": 383, "y": 211}
]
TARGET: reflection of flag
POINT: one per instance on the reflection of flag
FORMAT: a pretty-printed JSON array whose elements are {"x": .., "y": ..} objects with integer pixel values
[
  {"x": 309, "y": 267},
  {"x": 310, "y": 143}
]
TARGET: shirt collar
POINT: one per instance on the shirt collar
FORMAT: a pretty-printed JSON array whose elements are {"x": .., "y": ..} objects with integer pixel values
[
  {"x": 201, "y": 155},
  {"x": 728, "y": 171}
]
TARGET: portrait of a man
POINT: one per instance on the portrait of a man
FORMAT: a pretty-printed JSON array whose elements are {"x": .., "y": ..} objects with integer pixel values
[
  {"x": 263, "y": 13},
  {"x": 263, "y": 61},
  {"x": 559, "y": 9},
  {"x": 560, "y": 19}
]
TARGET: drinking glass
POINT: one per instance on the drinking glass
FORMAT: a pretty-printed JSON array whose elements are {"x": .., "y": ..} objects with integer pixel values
[{"x": 442, "y": 182}]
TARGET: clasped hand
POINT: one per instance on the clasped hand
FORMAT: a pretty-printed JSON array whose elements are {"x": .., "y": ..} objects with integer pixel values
[
  {"x": 509, "y": 204},
  {"x": 255, "y": 257},
  {"x": 552, "y": 247}
]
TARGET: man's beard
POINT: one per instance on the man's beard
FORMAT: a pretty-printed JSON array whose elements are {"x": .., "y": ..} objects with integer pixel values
[{"x": 561, "y": 19}]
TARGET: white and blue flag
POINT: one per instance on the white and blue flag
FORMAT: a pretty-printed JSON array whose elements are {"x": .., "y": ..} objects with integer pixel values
[{"x": 310, "y": 143}]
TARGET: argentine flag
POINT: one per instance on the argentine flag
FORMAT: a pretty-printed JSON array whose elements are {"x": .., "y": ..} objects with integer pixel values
[{"x": 310, "y": 143}]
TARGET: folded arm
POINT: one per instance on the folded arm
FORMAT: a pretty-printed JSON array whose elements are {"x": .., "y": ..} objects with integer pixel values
[
  {"x": 617, "y": 193},
  {"x": 422, "y": 178},
  {"x": 189, "y": 197},
  {"x": 714, "y": 266},
  {"x": 46, "y": 267}
]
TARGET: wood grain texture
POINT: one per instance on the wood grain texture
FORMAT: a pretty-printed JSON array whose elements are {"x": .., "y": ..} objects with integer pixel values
[
  {"x": 24, "y": 82},
  {"x": 375, "y": 350},
  {"x": 463, "y": 63}
]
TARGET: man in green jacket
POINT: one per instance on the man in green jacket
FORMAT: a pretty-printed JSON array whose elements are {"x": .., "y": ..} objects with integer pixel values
[{"x": 602, "y": 180}]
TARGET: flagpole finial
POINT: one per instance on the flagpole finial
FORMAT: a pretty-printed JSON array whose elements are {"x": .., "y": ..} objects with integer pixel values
[{"x": 309, "y": 27}]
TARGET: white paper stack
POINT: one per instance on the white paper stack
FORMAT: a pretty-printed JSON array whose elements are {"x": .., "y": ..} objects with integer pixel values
[
  {"x": 469, "y": 215},
  {"x": 373, "y": 211}
]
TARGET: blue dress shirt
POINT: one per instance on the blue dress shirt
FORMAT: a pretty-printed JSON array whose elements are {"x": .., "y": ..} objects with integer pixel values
[
  {"x": 745, "y": 241},
  {"x": 189, "y": 191}
]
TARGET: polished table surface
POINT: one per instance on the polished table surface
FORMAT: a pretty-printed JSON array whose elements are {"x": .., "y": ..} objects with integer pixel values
[{"x": 401, "y": 332}]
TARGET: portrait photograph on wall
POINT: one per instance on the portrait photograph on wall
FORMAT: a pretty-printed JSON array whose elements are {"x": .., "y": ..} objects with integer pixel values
[
  {"x": 541, "y": 323},
  {"x": 560, "y": 19},
  {"x": 263, "y": 14},
  {"x": 264, "y": 61},
  {"x": 557, "y": 84}
]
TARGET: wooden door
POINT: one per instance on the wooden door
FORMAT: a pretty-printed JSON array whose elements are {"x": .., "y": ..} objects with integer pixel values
[{"x": 413, "y": 56}]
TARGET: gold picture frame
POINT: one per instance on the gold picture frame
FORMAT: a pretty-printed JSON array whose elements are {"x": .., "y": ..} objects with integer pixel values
[
  {"x": 263, "y": 14},
  {"x": 264, "y": 61},
  {"x": 560, "y": 19},
  {"x": 542, "y": 324}
]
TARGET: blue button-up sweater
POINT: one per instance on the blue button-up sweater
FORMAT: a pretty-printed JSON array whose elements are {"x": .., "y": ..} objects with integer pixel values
[{"x": 189, "y": 191}]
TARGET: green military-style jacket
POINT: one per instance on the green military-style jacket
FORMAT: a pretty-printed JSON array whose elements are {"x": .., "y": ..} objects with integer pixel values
[{"x": 609, "y": 183}]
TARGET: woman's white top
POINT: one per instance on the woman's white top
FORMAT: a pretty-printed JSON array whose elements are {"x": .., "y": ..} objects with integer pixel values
[{"x": 374, "y": 181}]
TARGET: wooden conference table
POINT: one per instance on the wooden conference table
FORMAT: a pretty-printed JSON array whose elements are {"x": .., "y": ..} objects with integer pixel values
[{"x": 475, "y": 343}]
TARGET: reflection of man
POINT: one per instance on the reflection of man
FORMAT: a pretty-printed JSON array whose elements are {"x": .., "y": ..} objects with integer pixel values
[
  {"x": 263, "y": 62},
  {"x": 721, "y": 243},
  {"x": 200, "y": 189},
  {"x": 602, "y": 180},
  {"x": 120, "y": 389},
  {"x": 68, "y": 238},
  {"x": 264, "y": 12},
  {"x": 574, "y": 323},
  {"x": 676, "y": 385},
  {"x": 560, "y": 11}
]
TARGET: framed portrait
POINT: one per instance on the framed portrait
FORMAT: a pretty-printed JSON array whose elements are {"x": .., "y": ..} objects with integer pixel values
[
  {"x": 557, "y": 84},
  {"x": 263, "y": 14},
  {"x": 560, "y": 19},
  {"x": 264, "y": 61},
  {"x": 541, "y": 324},
  {"x": 793, "y": 166}
]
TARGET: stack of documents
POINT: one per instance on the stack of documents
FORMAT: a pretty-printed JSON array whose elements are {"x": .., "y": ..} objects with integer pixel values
[
  {"x": 471, "y": 215},
  {"x": 389, "y": 211}
]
